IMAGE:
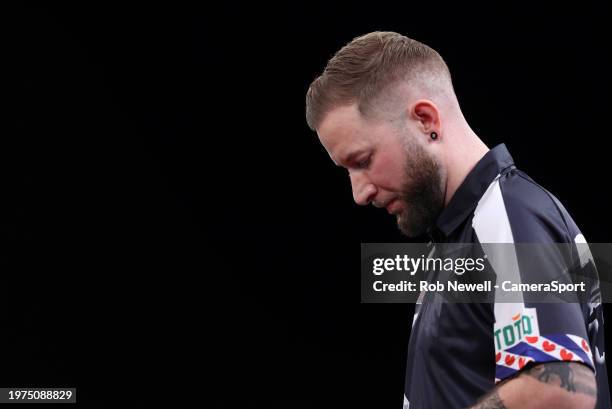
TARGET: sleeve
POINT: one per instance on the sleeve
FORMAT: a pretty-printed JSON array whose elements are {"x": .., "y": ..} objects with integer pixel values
[{"x": 534, "y": 229}]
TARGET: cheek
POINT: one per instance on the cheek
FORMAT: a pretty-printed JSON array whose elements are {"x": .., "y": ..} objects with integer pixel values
[{"x": 389, "y": 172}]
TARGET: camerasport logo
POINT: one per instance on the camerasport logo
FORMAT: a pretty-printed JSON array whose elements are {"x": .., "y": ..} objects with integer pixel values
[{"x": 523, "y": 324}]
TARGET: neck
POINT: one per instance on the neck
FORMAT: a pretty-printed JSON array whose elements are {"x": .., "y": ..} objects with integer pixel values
[{"x": 461, "y": 160}]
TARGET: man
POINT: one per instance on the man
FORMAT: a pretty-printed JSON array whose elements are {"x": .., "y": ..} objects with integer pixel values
[{"x": 385, "y": 109}]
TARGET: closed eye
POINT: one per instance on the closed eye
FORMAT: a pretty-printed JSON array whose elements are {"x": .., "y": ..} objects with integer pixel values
[{"x": 363, "y": 164}]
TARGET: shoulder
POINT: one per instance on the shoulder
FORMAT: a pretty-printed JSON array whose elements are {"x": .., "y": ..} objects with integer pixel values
[{"x": 530, "y": 213}]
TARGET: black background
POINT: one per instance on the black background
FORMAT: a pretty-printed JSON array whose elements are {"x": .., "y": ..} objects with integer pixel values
[{"x": 175, "y": 236}]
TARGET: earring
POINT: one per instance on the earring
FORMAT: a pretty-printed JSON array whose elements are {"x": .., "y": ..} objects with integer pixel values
[{"x": 434, "y": 136}]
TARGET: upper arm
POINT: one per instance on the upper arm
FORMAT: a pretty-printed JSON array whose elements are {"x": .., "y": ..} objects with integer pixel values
[
  {"x": 548, "y": 385},
  {"x": 572, "y": 377}
]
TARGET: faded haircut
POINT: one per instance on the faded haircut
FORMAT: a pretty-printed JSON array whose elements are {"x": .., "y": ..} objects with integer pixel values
[{"x": 367, "y": 69}]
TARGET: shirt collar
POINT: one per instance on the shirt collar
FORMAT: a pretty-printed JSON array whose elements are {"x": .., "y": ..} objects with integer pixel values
[{"x": 465, "y": 199}]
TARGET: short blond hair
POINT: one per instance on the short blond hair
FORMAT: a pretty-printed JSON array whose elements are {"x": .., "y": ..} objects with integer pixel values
[{"x": 361, "y": 71}]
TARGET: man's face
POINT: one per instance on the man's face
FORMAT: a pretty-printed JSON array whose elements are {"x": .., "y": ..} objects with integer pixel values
[{"x": 388, "y": 167}]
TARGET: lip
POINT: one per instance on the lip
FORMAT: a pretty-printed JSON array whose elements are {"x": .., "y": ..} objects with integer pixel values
[{"x": 392, "y": 206}]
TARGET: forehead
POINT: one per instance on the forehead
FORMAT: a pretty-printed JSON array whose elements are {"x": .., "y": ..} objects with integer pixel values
[{"x": 343, "y": 130}]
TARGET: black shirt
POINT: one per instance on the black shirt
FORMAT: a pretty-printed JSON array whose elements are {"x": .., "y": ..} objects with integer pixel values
[{"x": 458, "y": 352}]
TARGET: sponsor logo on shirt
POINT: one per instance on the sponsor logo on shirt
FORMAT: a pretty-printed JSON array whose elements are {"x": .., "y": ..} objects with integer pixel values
[{"x": 523, "y": 324}]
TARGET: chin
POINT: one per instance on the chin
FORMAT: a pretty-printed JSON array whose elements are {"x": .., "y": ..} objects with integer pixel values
[
  {"x": 411, "y": 230},
  {"x": 401, "y": 225}
]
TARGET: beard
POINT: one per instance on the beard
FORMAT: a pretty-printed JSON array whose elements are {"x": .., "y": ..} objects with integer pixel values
[{"x": 423, "y": 192}]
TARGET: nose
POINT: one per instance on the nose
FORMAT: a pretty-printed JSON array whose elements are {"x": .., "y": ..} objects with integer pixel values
[{"x": 363, "y": 190}]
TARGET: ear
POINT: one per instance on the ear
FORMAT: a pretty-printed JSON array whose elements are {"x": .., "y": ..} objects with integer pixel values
[{"x": 427, "y": 116}]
